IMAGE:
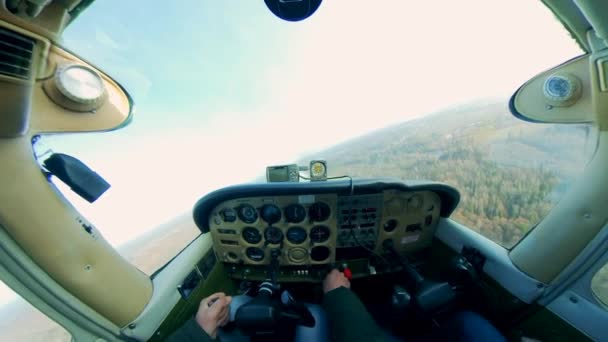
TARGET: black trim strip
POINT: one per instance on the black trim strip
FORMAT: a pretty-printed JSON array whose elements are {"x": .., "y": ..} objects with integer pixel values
[{"x": 450, "y": 197}]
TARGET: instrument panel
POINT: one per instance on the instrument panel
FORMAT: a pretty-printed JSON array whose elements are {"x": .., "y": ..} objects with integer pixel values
[{"x": 321, "y": 229}]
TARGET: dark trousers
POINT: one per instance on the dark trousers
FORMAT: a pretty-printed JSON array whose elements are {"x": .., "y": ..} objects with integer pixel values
[{"x": 467, "y": 326}]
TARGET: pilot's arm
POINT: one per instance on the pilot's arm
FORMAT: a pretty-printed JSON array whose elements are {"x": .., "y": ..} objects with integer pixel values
[
  {"x": 213, "y": 313},
  {"x": 348, "y": 317}
]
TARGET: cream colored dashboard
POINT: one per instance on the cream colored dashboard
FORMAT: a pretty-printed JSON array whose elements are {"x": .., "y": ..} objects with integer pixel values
[{"x": 321, "y": 229}]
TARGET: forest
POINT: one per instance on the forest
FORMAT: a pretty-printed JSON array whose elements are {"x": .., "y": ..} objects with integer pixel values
[{"x": 510, "y": 173}]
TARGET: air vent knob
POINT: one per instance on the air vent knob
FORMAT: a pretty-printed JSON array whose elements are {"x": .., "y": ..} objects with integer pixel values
[
  {"x": 562, "y": 90},
  {"x": 80, "y": 84}
]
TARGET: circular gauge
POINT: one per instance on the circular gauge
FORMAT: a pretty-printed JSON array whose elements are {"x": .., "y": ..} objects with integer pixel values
[
  {"x": 296, "y": 235},
  {"x": 319, "y": 234},
  {"x": 254, "y": 253},
  {"x": 247, "y": 213},
  {"x": 319, "y": 212},
  {"x": 295, "y": 213},
  {"x": 80, "y": 84},
  {"x": 415, "y": 202},
  {"x": 273, "y": 235},
  {"x": 319, "y": 253},
  {"x": 232, "y": 256},
  {"x": 297, "y": 254},
  {"x": 318, "y": 170},
  {"x": 228, "y": 215},
  {"x": 390, "y": 225},
  {"x": 271, "y": 213},
  {"x": 251, "y": 235}
]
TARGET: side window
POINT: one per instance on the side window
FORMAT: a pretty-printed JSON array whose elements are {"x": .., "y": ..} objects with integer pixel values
[
  {"x": 599, "y": 284},
  {"x": 511, "y": 181},
  {"x": 20, "y": 321},
  {"x": 510, "y": 173}
]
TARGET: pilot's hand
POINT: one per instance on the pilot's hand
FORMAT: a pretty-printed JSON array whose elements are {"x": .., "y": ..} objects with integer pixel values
[
  {"x": 335, "y": 279},
  {"x": 213, "y": 312}
]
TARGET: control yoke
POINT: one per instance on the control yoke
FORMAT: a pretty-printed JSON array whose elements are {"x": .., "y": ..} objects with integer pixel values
[{"x": 271, "y": 314}]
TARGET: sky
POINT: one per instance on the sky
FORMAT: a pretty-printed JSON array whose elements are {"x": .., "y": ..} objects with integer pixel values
[{"x": 223, "y": 89}]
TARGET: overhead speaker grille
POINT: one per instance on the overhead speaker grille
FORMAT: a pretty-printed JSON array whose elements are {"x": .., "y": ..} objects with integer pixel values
[{"x": 16, "y": 52}]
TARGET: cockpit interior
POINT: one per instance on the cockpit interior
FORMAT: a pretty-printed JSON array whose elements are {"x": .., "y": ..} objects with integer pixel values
[
  {"x": 289, "y": 236},
  {"x": 511, "y": 225}
]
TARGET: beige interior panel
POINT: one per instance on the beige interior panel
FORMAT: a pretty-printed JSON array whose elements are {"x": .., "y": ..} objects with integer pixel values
[
  {"x": 531, "y": 103},
  {"x": 45, "y": 225},
  {"x": 37, "y": 216},
  {"x": 561, "y": 236},
  {"x": 599, "y": 77},
  {"x": 15, "y": 110},
  {"x": 224, "y": 250},
  {"x": 165, "y": 295},
  {"x": 19, "y": 272},
  {"x": 409, "y": 210},
  {"x": 27, "y": 102},
  {"x": 15, "y": 93},
  {"x": 572, "y": 223},
  {"x": 48, "y": 116}
]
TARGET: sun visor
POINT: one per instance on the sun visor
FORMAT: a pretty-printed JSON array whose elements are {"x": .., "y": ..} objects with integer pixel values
[{"x": 559, "y": 95}]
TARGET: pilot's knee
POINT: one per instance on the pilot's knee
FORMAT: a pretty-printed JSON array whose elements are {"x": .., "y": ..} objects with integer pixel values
[
  {"x": 320, "y": 332},
  {"x": 472, "y": 326}
]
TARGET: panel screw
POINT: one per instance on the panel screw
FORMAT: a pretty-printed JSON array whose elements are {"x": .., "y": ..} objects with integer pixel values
[
  {"x": 574, "y": 299},
  {"x": 87, "y": 267},
  {"x": 548, "y": 107},
  {"x": 587, "y": 216},
  {"x": 132, "y": 326}
]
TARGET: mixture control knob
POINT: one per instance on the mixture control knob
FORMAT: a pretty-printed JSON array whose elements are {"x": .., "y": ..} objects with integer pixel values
[{"x": 348, "y": 273}]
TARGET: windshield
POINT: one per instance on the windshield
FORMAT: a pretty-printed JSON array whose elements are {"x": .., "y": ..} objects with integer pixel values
[{"x": 224, "y": 88}]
